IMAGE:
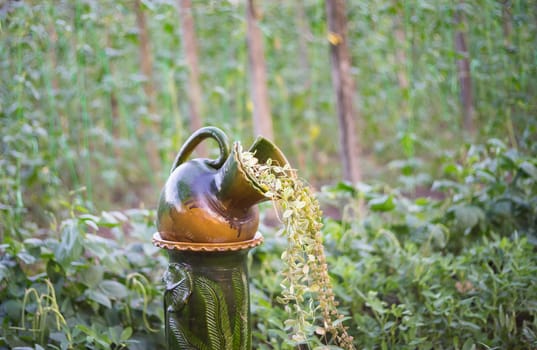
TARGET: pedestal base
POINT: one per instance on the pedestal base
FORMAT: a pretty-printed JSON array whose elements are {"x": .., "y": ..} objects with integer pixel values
[{"x": 207, "y": 301}]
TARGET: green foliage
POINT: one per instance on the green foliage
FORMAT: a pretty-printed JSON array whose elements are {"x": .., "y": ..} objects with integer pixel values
[
  {"x": 494, "y": 191},
  {"x": 72, "y": 288},
  {"x": 425, "y": 273},
  {"x": 74, "y": 114},
  {"x": 452, "y": 269},
  {"x": 448, "y": 268}
]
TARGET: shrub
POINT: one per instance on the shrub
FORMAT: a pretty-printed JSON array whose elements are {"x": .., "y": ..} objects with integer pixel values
[
  {"x": 423, "y": 273},
  {"x": 73, "y": 289}
]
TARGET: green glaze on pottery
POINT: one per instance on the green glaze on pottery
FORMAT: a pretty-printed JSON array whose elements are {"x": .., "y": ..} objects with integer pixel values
[
  {"x": 213, "y": 200},
  {"x": 207, "y": 301},
  {"x": 207, "y": 219}
]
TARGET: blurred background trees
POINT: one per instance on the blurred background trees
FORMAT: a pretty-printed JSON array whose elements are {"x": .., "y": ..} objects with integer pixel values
[{"x": 98, "y": 96}]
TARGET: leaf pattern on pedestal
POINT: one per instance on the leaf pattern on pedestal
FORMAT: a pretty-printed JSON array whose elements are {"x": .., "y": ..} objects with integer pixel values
[
  {"x": 216, "y": 313},
  {"x": 240, "y": 325}
]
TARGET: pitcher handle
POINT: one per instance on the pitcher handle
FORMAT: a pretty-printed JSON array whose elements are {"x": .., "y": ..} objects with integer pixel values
[{"x": 195, "y": 139}]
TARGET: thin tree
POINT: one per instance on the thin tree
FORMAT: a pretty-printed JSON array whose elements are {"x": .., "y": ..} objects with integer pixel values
[
  {"x": 400, "y": 54},
  {"x": 401, "y": 62},
  {"x": 463, "y": 70},
  {"x": 190, "y": 45},
  {"x": 304, "y": 36},
  {"x": 507, "y": 23},
  {"x": 344, "y": 88},
  {"x": 112, "y": 97},
  {"x": 146, "y": 58},
  {"x": 53, "y": 62},
  {"x": 146, "y": 68},
  {"x": 258, "y": 74}
]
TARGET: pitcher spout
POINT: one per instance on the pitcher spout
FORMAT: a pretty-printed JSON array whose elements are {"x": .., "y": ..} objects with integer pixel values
[{"x": 236, "y": 188}]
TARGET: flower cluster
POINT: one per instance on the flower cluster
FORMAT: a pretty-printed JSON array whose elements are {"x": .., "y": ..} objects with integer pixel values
[{"x": 306, "y": 284}]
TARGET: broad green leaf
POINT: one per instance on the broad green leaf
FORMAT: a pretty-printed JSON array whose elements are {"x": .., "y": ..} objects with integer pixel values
[
  {"x": 496, "y": 143},
  {"x": 529, "y": 169},
  {"x": 438, "y": 234},
  {"x": 451, "y": 169},
  {"x": 33, "y": 242},
  {"x": 469, "y": 345},
  {"x": 92, "y": 276},
  {"x": 115, "y": 333},
  {"x": 382, "y": 203},
  {"x": 126, "y": 334},
  {"x": 99, "y": 246},
  {"x": 12, "y": 308},
  {"x": 59, "y": 337},
  {"x": 54, "y": 271},
  {"x": 26, "y": 257},
  {"x": 345, "y": 187},
  {"x": 467, "y": 217},
  {"x": 407, "y": 143},
  {"x": 113, "y": 289},
  {"x": 70, "y": 246},
  {"x": 4, "y": 272},
  {"x": 422, "y": 201},
  {"x": 98, "y": 297},
  {"x": 108, "y": 220}
]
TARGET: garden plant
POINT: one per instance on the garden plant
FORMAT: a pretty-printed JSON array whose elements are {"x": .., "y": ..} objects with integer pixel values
[{"x": 434, "y": 247}]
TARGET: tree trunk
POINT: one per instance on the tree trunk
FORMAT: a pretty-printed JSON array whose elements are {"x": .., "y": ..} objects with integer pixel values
[
  {"x": 114, "y": 105},
  {"x": 507, "y": 25},
  {"x": 190, "y": 45},
  {"x": 146, "y": 59},
  {"x": 258, "y": 74},
  {"x": 405, "y": 106},
  {"x": 304, "y": 35},
  {"x": 400, "y": 54},
  {"x": 146, "y": 67},
  {"x": 53, "y": 58},
  {"x": 344, "y": 87},
  {"x": 464, "y": 74}
]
